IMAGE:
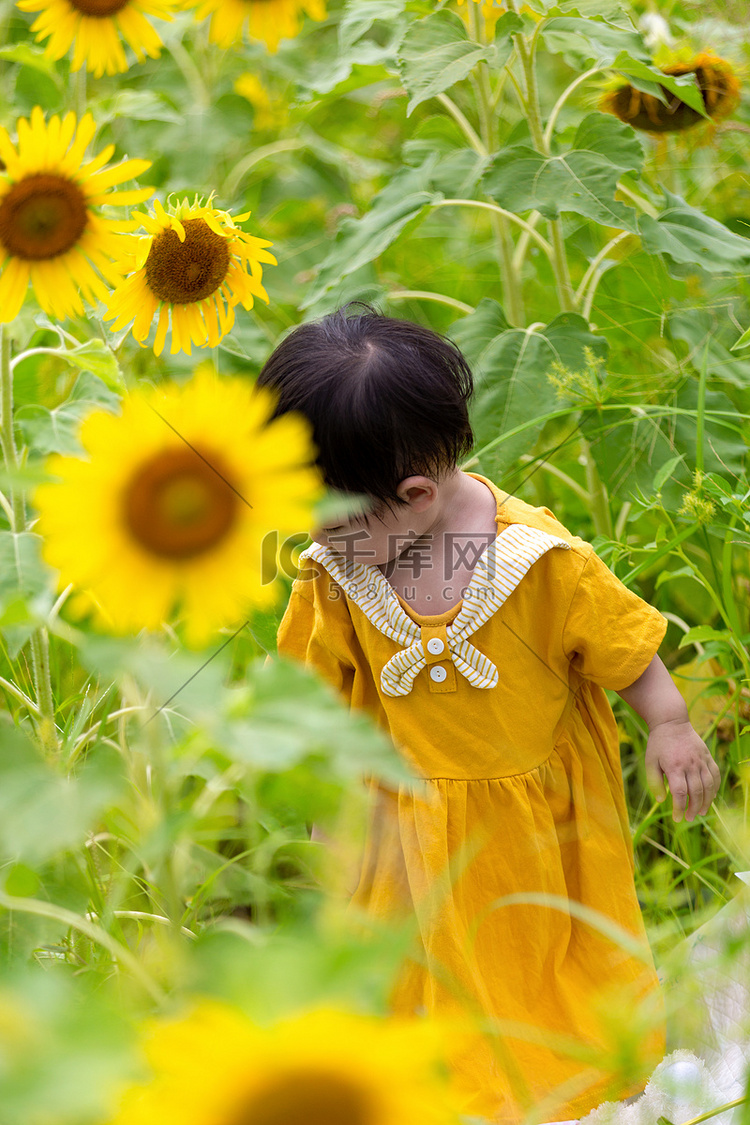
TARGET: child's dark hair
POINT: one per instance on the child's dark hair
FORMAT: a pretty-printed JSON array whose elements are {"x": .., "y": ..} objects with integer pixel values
[{"x": 387, "y": 399}]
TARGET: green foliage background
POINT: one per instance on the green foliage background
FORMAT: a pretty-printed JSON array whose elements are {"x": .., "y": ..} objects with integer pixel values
[{"x": 596, "y": 278}]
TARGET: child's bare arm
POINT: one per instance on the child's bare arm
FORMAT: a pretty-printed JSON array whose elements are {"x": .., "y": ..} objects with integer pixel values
[{"x": 675, "y": 750}]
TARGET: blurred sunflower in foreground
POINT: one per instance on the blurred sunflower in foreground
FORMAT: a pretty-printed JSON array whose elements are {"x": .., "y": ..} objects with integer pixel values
[
  {"x": 50, "y": 231},
  {"x": 170, "y": 506},
  {"x": 267, "y": 20},
  {"x": 715, "y": 78},
  {"x": 195, "y": 264},
  {"x": 95, "y": 29},
  {"x": 215, "y": 1067}
]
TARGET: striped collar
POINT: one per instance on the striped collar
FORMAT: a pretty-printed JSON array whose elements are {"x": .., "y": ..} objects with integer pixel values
[{"x": 500, "y": 568}]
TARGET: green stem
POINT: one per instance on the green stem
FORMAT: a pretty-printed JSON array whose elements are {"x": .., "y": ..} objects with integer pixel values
[
  {"x": 79, "y": 92},
  {"x": 509, "y": 215},
  {"x": 46, "y": 729},
  {"x": 719, "y": 1109},
  {"x": 509, "y": 279},
  {"x": 39, "y": 639},
  {"x": 93, "y": 932},
  {"x": 424, "y": 295},
  {"x": 701, "y": 412},
  {"x": 565, "y": 294},
  {"x": 463, "y": 123},
  {"x": 598, "y": 498},
  {"x": 7, "y": 433}
]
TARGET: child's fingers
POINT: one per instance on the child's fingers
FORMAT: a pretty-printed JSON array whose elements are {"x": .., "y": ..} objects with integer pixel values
[
  {"x": 655, "y": 780},
  {"x": 696, "y": 793},
  {"x": 680, "y": 792},
  {"x": 711, "y": 781}
]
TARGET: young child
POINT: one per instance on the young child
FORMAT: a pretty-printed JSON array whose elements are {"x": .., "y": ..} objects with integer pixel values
[{"x": 481, "y": 635}]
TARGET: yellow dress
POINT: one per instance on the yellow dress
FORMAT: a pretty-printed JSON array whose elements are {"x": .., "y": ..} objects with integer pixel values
[{"x": 512, "y": 852}]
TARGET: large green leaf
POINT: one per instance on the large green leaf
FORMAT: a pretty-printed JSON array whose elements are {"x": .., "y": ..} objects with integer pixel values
[
  {"x": 360, "y": 241},
  {"x": 583, "y": 180},
  {"x": 359, "y": 16},
  {"x": 435, "y": 54},
  {"x": 651, "y": 80},
  {"x": 707, "y": 336},
  {"x": 631, "y": 444},
  {"x": 512, "y": 367},
  {"x": 687, "y": 236},
  {"x": 43, "y": 812},
  {"x": 273, "y": 738},
  {"x": 23, "y": 575},
  {"x": 56, "y": 430},
  {"x": 593, "y": 42}
]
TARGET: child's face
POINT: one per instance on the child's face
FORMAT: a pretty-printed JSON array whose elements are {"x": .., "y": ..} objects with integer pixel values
[{"x": 380, "y": 536}]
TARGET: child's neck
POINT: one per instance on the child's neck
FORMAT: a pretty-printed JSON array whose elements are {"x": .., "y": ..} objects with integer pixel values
[{"x": 432, "y": 573}]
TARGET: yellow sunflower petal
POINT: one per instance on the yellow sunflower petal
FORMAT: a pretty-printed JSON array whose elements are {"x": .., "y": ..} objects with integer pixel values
[
  {"x": 154, "y": 507},
  {"x": 197, "y": 264}
]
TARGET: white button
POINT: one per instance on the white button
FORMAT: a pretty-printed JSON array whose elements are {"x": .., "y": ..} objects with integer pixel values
[
  {"x": 435, "y": 646},
  {"x": 438, "y": 673}
]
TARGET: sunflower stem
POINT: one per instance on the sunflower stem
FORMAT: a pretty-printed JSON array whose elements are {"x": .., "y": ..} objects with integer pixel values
[
  {"x": 80, "y": 94},
  {"x": 559, "y": 259},
  {"x": 512, "y": 298},
  {"x": 39, "y": 639},
  {"x": 46, "y": 729},
  {"x": 7, "y": 434}
]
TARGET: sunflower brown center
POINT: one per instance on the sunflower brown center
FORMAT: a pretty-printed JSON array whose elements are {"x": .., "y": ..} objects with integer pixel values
[
  {"x": 100, "y": 8},
  {"x": 42, "y": 216},
  {"x": 178, "y": 506},
  {"x": 182, "y": 272},
  {"x": 308, "y": 1098}
]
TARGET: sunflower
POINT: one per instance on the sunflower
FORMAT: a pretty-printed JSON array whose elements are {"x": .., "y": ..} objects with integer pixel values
[
  {"x": 324, "y": 1067},
  {"x": 716, "y": 79},
  {"x": 173, "y": 502},
  {"x": 96, "y": 28},
  {"x": 194, "y": 261},
  {"x": 268, "y": 20},
  {"x": 50, "y": 231}
]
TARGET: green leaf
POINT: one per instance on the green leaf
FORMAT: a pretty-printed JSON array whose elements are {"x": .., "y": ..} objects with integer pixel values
[
  {"x": 435, "y": 54},
  {"x": 22, "y": 572},
  {"x": 56, "y": 431},
  {"x": 622, "y": 146},
  {"x": 359, "y": 241},
  {"x": 702, "y": 633},
  {"x": 743, "y": 342},
  {"x": 689, "y": 237},
  {"x": 631, "y": 445},
  {"x": 96, "y": 357},
  {"x": 583, "y": 180},
  {"x": 27, "y": 55},
  {"x": 137, "y": 105},
  {"x": 359, "y": 16},
  {"x": 610, "y": 10},
  {"x": 511, "y": 368},
  {"x": 593, "y": 42},
  {"x": 273, "y": 738},
  {"x": 651, "y": 80},
  {"x": 666, "y": 471},
  {"x": 42, "y": 812}
]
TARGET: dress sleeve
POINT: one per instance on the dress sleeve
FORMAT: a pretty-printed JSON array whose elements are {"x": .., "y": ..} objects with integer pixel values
[
  {"x": 610, "y": 634},
  {"x": 305, "y": 635}
]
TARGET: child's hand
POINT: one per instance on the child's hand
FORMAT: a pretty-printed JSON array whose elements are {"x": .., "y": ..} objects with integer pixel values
[{"x": 676, "y": 751}]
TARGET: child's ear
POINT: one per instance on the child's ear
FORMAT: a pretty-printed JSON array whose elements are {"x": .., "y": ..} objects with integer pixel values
[{"x": 420, "y": 493}]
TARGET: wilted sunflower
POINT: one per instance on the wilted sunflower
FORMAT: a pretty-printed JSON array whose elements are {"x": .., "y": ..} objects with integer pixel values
[
  {"x": 195, "y": 263},
  {"x": 215, "y": 1067},
  {"x": 50, "y": 231},
  {"x": 95, "y": 29},
  {"x": 715, "y": 78},
  {"x": 268, "y": 20},
  {"x": 172, "y": 502}
]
